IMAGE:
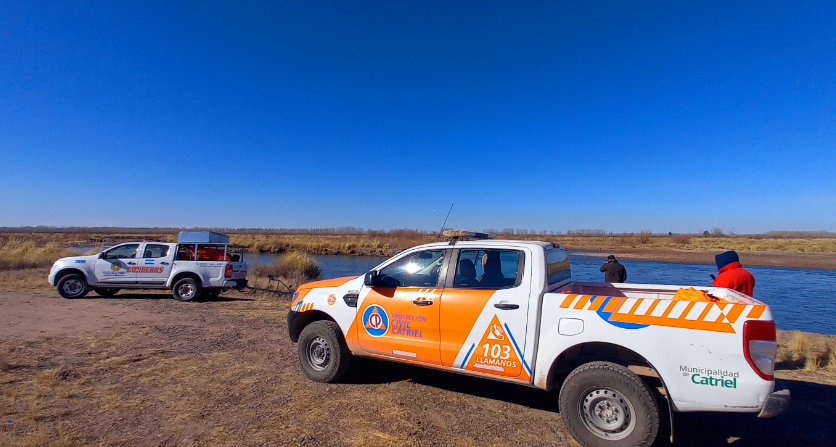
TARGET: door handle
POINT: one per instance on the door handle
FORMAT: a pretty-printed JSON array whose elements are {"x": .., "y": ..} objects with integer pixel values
[
  {"x": 164, "y": 263},
  {"x": 131, "y": 263},
  {"x": 506, "y": 306},
  {"x": 422, "y": 302}
]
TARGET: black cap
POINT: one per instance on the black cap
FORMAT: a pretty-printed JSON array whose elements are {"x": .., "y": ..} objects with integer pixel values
[{"x": 726, "y": 258}]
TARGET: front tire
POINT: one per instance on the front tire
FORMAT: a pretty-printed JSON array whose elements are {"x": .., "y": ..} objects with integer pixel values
[
  {"x": 72, "y": 286},
  {"x": 605, "y": 404},
  {"x": 106, "y": 292},
  {"x": 323, "y": 354},
  {"x": 186, "y": 289}
]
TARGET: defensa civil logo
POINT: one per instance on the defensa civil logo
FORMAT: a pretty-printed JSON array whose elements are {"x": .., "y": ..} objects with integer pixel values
[
  {"x": 375, "y": 320},
  {"x": 115, "y": 266}
]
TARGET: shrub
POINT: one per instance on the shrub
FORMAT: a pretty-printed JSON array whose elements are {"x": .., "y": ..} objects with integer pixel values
[
  {"x": 294, "y": 268},
  {"x": 681, "y": 239}
]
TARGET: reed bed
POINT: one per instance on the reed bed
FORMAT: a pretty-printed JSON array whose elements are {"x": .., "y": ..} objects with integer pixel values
[
  {"x": 18, "y": 253},
  {"x": 295, "y": 268}
]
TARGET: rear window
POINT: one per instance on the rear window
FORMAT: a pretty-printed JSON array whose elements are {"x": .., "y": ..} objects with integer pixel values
[
  {"x": 185, "y": 252},
  {"x": 557, "y": 266},
  {"x": 209, "y": 252},
  {"x": 206, "y": 252}
]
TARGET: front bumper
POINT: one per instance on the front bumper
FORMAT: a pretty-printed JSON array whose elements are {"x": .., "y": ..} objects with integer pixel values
[
  {"x": 777, "y": 402},
  {"x": 291, "y": 318}
]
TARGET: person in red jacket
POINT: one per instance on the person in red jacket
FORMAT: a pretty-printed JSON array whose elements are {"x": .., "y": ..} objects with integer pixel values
[{"x": 732, "y": 275}]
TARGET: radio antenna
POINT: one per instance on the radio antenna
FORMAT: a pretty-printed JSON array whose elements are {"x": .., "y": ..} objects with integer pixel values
[{"x": 445, "y": 222}]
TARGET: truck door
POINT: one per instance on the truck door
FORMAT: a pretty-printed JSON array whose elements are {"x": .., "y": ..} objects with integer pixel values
[
  {"x": 112, "y": 265},
  {"x": 484, "y": 312},
  {"x": 399, "y": 316},
  {"x": 154, "y": 267}
]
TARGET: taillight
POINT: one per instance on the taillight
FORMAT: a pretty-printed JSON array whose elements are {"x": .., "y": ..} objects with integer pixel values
[
  {"x": 228, "y": 271},
  {"x": 759, "y": 347}
]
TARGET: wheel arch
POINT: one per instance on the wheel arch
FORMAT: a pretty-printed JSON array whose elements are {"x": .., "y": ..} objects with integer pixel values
[
  {"x": 587, "y": 352},
  {"x": 303, "y": 319},
  {"x": 69, "y": 271},
  {"x": 182, "y": 275}
]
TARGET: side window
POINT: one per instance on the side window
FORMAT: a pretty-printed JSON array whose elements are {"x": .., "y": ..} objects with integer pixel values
[
  {"x": 415, "y": 270},
  {"x": 557, "y": 266},
  {"x": 488, "y": 269},
  {"x": 127, "y": 251},
  {"x": 210, "y": 252},
  {"x": 185, "y": 253},
  {"x": 155, "y": 251}
]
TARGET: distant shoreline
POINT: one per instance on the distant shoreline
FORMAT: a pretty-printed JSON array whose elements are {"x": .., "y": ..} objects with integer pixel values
[
  {"x": 826, "y": 261},
  {"x": 813, "y": 251}
]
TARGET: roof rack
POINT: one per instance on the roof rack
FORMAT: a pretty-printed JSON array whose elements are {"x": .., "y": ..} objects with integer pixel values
[{"x": 461, "y": 235}]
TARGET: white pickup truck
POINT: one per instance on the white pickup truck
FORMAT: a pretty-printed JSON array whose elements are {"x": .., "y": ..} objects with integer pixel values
[
  {"x": 200, "y": 264},
  {"x": 510, "y": 311}
]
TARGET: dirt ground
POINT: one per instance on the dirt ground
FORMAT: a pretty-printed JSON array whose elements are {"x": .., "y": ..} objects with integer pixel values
[{"x": 141, "y": 369}]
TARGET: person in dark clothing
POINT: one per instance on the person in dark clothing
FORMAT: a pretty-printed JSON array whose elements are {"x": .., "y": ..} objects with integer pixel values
[
  {"x": 732, "y": 275},
  {"x": 613, "y": 271}
]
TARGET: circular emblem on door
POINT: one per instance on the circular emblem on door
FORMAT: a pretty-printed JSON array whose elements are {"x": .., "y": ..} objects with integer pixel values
[
  {"x": 116, "y": 266},
  {"x": 375, "y": 320}
]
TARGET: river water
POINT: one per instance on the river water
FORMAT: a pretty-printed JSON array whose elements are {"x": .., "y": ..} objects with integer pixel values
[{"x": 801, "y": 299}]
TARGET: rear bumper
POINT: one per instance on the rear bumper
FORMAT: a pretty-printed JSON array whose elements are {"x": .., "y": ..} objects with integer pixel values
[
  {"x": 777, "y": 402},
  {"x": 235, "y": 284}
]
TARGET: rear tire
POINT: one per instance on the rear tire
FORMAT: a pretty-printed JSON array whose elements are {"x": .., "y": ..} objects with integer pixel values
[
  {"x": 186, "y": 289},
  {"x": 323, "y": 354},
  {"x": 72, "y": 286},
  {"x": 604, "y": 404},
  {"x": 106, "y": 292}
]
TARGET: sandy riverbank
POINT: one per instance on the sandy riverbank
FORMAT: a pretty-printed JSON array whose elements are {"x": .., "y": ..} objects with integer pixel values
[{"x": 759, "y": 258}]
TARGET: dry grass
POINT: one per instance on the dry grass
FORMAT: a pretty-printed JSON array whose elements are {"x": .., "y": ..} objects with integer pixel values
[
  {"x": 18, "y": 253},
  {"x": 224, "y": 373},
  {"x": 385, "y": 243},
  {"x": 681, "y": 239},
  {"x": 294, "y": 268},
  {"x": 805, "y": 350}
]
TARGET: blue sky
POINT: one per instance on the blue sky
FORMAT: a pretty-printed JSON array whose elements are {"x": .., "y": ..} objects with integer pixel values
[{"x": 623, "y": 116}]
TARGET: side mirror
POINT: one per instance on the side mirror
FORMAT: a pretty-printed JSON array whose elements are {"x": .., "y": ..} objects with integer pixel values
[
  {"x": 371, "y": 278},
  {"x": 101, "y": 255}
]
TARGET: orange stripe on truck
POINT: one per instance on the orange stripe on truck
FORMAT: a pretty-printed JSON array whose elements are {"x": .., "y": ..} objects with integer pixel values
[
  {"x": 756, "y": 312},
  {"x": 582, "y": 302},
  {"x": 596, "y": 303},
  {"x": 613, "y": 303},
  {"x": 734, "y": 313},
  {"x": 728, "y": 313},
  {"x": 568, "y": 301}
]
